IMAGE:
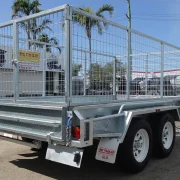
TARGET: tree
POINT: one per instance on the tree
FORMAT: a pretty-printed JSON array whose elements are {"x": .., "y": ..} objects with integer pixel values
[
  {"x": 109, "y": 68},
  {"x": 88, "y": 23},
  {"x": 76, "y": 69},
  {"x": 36, "y": 28},
  {"x": 45, "y": 38},
  {"x": 22, "y": 8},
  {"x": 25, "y": 8},
  {"x": 103, "y": 74},
  {"x": 100, "y": 71}
]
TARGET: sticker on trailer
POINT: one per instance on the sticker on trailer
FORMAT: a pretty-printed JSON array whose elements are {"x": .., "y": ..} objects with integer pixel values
[{"x": 107, "y": 150}]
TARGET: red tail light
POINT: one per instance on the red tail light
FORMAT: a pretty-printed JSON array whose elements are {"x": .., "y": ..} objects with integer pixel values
[{"x": 76, "y": 132}]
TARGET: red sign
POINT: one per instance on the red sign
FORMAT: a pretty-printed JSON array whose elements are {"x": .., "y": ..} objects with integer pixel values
[{"x": 106, "y": 151}]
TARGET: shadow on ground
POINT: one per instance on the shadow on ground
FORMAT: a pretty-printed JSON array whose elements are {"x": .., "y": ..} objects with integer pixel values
[
  {"x": 90, "y": 168},
  {"x": 157, "y": 169}
]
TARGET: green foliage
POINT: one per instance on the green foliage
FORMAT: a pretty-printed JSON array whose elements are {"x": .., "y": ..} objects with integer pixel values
[
  {"x": 25, "y": 8},
  {"x": 45, "y": 38},
  {"x": 102, "y": 72},
  {"x": 76, "y": 69},
  {"x": 88, "y": 23},
  {"x": 33, "y": 28},
  {"x": 37, "y": 29}
]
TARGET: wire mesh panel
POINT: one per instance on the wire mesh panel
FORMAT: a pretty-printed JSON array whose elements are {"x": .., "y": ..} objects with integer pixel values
[
  {"x": 95, "y": 63},
  {"x": 6, "y": 67},
  {"x": 112, "y": 63},
  {"x": 80, "y": 58},
  {"x": 41, "y": 55},
  {"x": 145, "y": 62},
  {"x": 171, "y": 72}
]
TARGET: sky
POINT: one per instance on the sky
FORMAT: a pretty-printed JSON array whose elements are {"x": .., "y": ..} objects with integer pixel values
[{"x": 157, "y": 18}]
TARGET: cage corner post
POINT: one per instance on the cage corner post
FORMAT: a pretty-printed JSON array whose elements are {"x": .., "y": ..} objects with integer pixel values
[
  {"x": 44, "y": 71},
  {"x": 162, "y": 71},
  {"x": 129, "y": 72},
  {"x": 68, "y": 54},
  {"x": 114, "y": 77},
  {"x": 15, "y": 60}
]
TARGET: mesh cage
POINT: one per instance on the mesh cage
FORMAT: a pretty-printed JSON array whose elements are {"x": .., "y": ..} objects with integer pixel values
[
  {"x": 65, "y": 55},
  {"x": 145, "y": 61},
  {"x": 6, "y": 66},
  {"x": 41, "y": 56},
  {"x": 113, "y": 63},
  {"x": 95, "y": 61}
]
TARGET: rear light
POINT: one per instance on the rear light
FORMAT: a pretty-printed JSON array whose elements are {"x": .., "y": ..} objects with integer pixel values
[{"x": 76, "y": 132}]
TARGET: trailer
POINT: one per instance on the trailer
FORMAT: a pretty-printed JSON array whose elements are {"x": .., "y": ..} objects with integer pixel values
[{"x": 71, "y": 102}]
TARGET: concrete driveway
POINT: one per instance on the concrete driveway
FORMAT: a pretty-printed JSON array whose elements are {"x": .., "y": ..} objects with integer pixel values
[{"x": 21, "y": 163}]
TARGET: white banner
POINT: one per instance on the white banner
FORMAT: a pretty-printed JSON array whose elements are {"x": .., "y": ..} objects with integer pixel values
[{"x": 32, "y": 60}]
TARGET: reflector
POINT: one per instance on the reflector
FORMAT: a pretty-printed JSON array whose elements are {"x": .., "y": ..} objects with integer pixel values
[{"x": 76, "y": 132}]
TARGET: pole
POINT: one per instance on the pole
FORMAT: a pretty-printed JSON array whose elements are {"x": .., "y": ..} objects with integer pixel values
[
  {"x": 114, "y": 77},
  {"x": 44, "y": 71},
  {"x": 162, "y": 71},
  {"x": 129, "y": 14},
  {"x": 68, "y": 55},
  {"x": 146, "y": 77},
  {"x": 15, "y": 61},
  {"x": 129, "y": 27},
  {"x": 128, "y": 69},
  {"x": 85, "y": 74}
]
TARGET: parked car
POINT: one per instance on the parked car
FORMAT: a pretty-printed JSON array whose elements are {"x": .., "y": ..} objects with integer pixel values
[
  {"x": 153, "y": 86},
  {"x": 175, "y": 81},
  {"x": 135, "y": 88}
]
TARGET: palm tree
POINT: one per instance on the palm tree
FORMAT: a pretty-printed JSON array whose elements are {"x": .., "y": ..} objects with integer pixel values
[
  {"x": 37, "y": 29},
  {"x": 89, "y": 23},
  {"x": 45, "y": 38},
  {"x": 25, "y": 8},
  {"x": 22, "y": 8}
]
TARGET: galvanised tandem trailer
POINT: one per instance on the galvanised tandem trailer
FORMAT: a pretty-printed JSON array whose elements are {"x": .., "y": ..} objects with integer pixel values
[{"x": 41, "y": 102}]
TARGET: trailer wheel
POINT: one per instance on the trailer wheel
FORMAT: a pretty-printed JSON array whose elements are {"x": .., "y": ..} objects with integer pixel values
[
  {"x": 135, "y": 151},
  {"x": 164, "y": 136},
  {"x": 27, "y": 139}
]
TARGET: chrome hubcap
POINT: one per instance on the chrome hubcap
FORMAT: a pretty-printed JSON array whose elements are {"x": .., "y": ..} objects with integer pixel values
[
  {"x": 141, "y": 145},
  {"x": 167, "y": 135}
]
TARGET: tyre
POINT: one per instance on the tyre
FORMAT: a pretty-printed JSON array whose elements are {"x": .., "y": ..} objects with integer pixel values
[
  {"x": 44, "y": 145},
  {"x": 164, "y": 136},
  {"x": 134, "y": 153},
  {"x": 27, "y": 139}
]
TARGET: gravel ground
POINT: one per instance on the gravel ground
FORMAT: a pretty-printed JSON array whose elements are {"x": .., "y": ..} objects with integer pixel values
[{"x": 22, "y": 163}]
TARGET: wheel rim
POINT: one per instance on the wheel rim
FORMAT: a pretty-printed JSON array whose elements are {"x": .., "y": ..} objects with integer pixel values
[
  {"x": 141, "y": 145},
  {"x": 167, "y": 135}
]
